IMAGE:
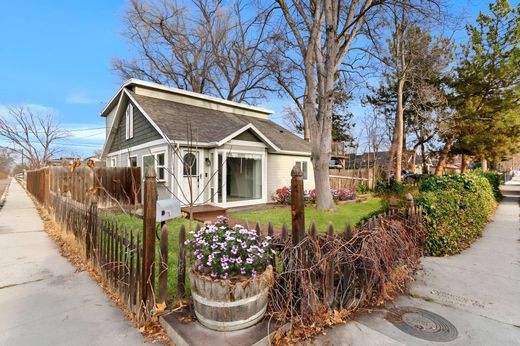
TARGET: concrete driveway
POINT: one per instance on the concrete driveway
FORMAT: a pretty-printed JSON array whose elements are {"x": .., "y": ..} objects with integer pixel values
[
  {"x": 476, "y": 294},
  {"x": 43, "y": 301}
]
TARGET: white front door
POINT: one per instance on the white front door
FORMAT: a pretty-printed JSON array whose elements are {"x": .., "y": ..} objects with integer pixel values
[{"x": 191, "y": 176}]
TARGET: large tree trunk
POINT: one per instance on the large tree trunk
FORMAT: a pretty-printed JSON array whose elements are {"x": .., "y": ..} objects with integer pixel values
[
  {"x": 484, "y": 165},
  {"x": 443, "y": 158},
  {"x": 399, "y": 131}
]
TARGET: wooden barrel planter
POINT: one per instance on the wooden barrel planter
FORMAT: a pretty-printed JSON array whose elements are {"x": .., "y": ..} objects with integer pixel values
[{"x": 225, "y": 305}]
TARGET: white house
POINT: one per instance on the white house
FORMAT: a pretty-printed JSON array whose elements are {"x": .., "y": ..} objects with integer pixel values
[{"x": 226, "y": 153}]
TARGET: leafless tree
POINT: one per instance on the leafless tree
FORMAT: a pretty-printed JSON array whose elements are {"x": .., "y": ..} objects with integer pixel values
[
  {"x": 31, "y": 135},
  {"x": 314, "y": 42},
  {"x": 404, "y": 50},
  {"x": 207, "y": 48}
]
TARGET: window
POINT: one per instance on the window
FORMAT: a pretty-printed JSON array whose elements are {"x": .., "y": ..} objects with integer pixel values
[
  {"x": 303, "y": 166},
  {"x": 159, "y": 166},
  {"x": 189, "y": 165},
  {"x": 113, "y": 162},
  {"x": 157, "y": 161},
  {"x": 132, "y": 161},
  {"x": 129, "y": 116}
]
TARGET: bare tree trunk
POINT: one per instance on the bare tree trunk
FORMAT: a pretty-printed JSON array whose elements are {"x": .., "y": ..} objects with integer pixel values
[
  {"x": 443, "y": 158},
  {"x": 399, "y": 131},
  {"x": 484, "y": 165}
]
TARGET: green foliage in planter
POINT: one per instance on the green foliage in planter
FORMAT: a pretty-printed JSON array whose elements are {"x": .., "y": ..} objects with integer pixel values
[{"x": 457, "y": 208}]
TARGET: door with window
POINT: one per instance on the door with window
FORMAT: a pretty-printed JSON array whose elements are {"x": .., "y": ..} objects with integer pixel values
[{"x": 191, "y": 177}]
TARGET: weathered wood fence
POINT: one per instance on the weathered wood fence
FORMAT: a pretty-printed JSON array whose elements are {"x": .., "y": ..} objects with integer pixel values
[
  {"x": 109, "y": 186},
  {"x": 350, "y": 178}
]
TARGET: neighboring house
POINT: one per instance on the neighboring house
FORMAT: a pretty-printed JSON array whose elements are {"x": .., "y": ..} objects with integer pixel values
[{"x": 230, "y": 154}]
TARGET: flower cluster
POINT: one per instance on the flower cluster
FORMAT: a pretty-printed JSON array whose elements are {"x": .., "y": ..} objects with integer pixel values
[
  {"x": 343, "y": 194},
  {"x": 282, "y": 196},
  {"x": 221, "y": 251}
]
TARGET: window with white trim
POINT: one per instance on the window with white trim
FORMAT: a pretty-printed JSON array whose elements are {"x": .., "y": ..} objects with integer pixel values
[
  {"x": 159, "y": 166},
  {"x": 113, "y": 162},
  {"x": 157, "y": 161},
  {"x": 129, "y": 117},
  {"x": 303, "y": 165}
]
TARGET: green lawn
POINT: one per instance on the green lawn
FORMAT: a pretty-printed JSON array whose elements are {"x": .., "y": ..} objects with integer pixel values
[
  {"x": 350, "y": 213},
  {"x": 173, "y": 246}
]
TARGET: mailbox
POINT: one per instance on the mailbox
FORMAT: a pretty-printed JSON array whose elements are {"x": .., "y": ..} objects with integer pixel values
[{"x": 167, "y": 209}]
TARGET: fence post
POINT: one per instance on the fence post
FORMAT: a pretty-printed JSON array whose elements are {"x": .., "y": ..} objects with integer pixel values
[
  {"x": 297, "y": 205},
  {"x": 409, "y": 207},
  {"x": 149, "y": 210},
  {"x": 163, "y": 274},
  {"x": 90, "y": 236}
]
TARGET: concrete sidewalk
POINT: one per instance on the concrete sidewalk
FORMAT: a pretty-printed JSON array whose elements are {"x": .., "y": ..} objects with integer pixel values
[
  {"x": 43, "y": 301},
  {"x": 478, "y": 291}
]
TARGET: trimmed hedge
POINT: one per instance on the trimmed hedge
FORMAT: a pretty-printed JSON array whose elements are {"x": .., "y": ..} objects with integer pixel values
[
  {"x": 495, "y": 179},
  {"x": 457, "y": 209}
]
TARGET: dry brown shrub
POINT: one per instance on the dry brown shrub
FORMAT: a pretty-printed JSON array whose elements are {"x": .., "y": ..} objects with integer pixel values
[{"x": 368, "y": 267}]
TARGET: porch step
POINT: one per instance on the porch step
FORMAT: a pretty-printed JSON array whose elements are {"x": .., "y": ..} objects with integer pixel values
[{"x": 205, "y": 213}]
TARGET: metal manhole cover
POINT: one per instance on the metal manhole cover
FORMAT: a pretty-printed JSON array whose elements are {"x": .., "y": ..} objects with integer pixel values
[{"x": 422, "y": 324}]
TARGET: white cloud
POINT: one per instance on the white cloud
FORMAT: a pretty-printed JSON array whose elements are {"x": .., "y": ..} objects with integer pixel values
[
  {"x": 34, "y": 107},
  {"x": 80, "y": 99}
]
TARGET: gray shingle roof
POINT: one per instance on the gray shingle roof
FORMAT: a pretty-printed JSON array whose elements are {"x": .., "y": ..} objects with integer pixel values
[{"x": 210, "y": 126}]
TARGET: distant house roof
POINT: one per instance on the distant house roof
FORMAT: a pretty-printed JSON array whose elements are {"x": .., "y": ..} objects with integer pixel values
[{"x": 213, "y": 126}]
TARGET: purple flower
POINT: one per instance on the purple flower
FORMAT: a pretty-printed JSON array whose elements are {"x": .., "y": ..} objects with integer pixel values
[
  {"x": 253, "y": 273},
  {"x": 234, "y": 250},
  {"x": 244, "y": 245},
  {"x": 200, "y": 268},
  {"x": 238, "y": 260},
  {"x": 224, "y": 276},
  {"x": 225, "y": 266},
  {"x": 249, "y": 260},
  {"x": 215, "y": 238},
  {"x": 242, "y": 271},
  {"x": 213, "y": 275}
]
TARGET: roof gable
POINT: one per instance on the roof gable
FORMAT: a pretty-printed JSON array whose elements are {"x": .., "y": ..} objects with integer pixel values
[{"x": 187, "y": 123}]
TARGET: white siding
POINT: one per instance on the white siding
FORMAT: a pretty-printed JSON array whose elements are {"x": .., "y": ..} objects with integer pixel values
[{"x": 279, "y": 172}]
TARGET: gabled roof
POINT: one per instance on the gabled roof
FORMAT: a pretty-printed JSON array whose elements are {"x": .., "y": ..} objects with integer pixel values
[
  {"x": 214, "y": 127},
  {"x": 131, "y": 83}
]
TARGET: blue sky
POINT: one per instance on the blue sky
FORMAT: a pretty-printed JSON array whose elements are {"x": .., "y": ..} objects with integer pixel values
[{"x": 55, "y": 55}]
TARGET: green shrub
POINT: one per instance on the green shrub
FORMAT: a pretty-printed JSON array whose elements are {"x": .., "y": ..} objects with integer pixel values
[
  {"x": 384, "y": 187},
  {"x": 495, "y": 179},
  {"x": 362, "y": 189},
  {"x": 457, "y": 208}
]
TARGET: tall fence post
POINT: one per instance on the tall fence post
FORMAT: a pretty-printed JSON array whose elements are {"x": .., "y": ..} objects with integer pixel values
[
  {"x": 149, "y": 217},
  {"x": 297, "y": 205}
]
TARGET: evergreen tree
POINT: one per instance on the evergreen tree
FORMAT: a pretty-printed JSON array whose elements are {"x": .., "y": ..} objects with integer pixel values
[{"x": 486, "y": 87}]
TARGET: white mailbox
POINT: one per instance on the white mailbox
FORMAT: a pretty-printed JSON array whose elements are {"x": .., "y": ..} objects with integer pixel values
[{"x": 167, "y": 209}]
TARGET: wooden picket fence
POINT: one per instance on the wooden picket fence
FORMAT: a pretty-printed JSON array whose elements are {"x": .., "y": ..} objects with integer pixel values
[
  {"x": 115, "y": 249},
  {"x": 108, "y": 186},
  {"x": 125, "y": 257}
]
